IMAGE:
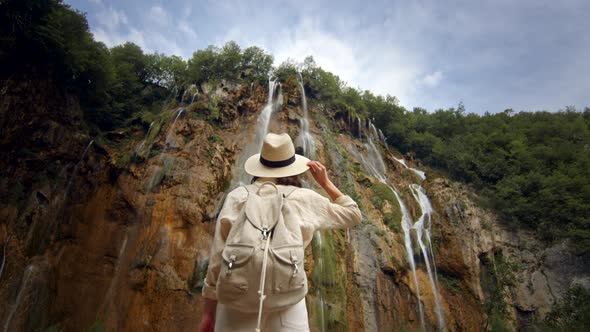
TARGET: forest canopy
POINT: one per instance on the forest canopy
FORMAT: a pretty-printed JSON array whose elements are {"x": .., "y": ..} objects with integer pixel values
[{"x": 532, "y": 167}]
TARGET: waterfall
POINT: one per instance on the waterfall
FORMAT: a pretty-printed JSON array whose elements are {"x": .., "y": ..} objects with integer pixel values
[
  {"x": 30, "y": 271},
  {"x": 423, "y": 225},
  {"x": 305, "y": 139},
  {"x": 170, "y": 130},
  {"x": 407, "y": 226},
  {"x": 263, "y": 121},
  {"x": 76, "y": 168},
  {"x": 307, "y": 143},
  {"x": 108, "y": 299},
  {"x": 190, "y": 88},
  {"x": 320, "y": 287},
  {"x": 159, "y": 171},
  {"x": 183, "y": 95},
  {"x": 374, "y": 166},
  {"x": 359, "y": 126},
  {"x": 6, "y": 241},
  {"x": 176, "y": 118},
  {"x": 274, "y": 101},
  {"x": 373, "y": 129},
  {"x": 145, "y": 138},
  {"x": 279, "y": 102},
  {"x": 382, "y": 137},
  {"x": 418, "y": 172}
]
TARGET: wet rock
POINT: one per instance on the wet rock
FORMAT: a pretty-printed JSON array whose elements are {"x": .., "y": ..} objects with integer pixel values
[{"x": 293, "y": 116}]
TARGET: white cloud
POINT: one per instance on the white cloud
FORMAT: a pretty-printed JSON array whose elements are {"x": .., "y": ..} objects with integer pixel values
[
  {"x": 328, "y": 50},
  {"x": 432, "y": 80},
  {"x": 111, "y": 18},
  {"x": 114, "y": 29},
  {"x": 159, "y": 15},
  {"x": 187, "y": 30},
  {"x": 111, "y": 38},
  {"x": 162, "y": 44}
]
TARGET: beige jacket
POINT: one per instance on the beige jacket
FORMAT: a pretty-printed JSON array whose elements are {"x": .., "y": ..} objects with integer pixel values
[{"x": 315, "y": 211}]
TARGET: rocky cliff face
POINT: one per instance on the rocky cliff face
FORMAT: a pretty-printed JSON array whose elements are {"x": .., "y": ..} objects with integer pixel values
[{"x": 116, "y": 233}]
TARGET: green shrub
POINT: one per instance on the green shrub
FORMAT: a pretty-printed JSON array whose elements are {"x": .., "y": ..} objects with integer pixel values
[
  {"x": 572, "y": 312},
  {"x": 392, "y": 220}
]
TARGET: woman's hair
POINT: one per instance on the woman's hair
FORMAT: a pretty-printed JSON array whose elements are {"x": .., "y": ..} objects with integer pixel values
[{"x": 286, "y": 181}]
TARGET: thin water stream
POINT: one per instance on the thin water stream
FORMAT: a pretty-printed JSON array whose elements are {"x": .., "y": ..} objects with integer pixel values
[{"x": 373, "y": 163}]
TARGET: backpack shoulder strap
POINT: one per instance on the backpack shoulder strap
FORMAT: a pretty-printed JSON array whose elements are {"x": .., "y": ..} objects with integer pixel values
[
  {"x": 254, "y": 189},
  {"x": 287, "y": 192}
]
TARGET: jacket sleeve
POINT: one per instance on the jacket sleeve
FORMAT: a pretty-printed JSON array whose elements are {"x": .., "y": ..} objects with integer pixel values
[
  {"x": 227, "y": 216},
  {"x": 325, "y": 214}
]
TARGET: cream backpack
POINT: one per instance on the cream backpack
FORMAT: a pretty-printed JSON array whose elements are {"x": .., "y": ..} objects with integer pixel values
[{"x": 262, "y": 265}]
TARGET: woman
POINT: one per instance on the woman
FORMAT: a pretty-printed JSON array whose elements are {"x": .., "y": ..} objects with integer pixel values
[{"x": 277, "y": 163}]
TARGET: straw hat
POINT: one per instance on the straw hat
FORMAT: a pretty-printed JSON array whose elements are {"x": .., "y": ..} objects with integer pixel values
[{"x": 277, "y": 158}]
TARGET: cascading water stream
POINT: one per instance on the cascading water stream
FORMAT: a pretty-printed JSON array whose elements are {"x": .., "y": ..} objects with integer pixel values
[
  {"x": 307, "y": 143},
  {"x": 109, "y": 303},
  {"x": 423, "y": 225},
  {"x": 419, "y": 173},
  {"x": 108, "y": 299},
  {"x": 406, "y": 227},
  {"x": 156, "y": 172},
  {"x": 191, "y": 87},
  {"x": 171, "y": 129},
  {"x": 382, "y": 137},
  {"x": 375, "y": 166},
  {"x": 359, "y": 125},
  {"x": 305, "y": 139},
  {"x": 4, "y": 255},
  {"x": 145, "y": 138},
  {"x": 57, "y": 204},
  {"x": 319, "y": 291},
  {"x": 26, "y": 282},
  {"x": 78, "y": 165},
  {"x": 263, "y": 123}
]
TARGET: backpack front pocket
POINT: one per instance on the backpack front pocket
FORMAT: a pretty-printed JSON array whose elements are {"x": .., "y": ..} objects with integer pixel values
[
  {"x": 288, "y": 272},
  {"x": 234, "y": 274}
]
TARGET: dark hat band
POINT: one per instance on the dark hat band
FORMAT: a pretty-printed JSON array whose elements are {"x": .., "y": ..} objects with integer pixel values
[{"x": 276, "y": 164}]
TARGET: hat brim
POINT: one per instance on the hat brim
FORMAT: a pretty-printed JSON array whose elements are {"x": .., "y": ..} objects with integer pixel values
[{"x": 255, "y": 168}]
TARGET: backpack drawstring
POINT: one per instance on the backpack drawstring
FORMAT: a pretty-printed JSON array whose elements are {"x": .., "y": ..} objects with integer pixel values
[{"x": 262, "y": 280}]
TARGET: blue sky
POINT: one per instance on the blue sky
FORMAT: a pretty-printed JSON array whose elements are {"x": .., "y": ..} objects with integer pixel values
[{"x": 491, "y": 55}]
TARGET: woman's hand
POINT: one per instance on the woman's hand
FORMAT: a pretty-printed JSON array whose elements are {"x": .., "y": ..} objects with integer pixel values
[{"x": 320, "y": 174}]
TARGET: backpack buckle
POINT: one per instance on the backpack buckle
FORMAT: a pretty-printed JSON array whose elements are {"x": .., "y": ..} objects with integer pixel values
[
  {"x": 232, "y": 259},
  {"x": 294, "y": 262},
  {"x": 265, "y": 232}
]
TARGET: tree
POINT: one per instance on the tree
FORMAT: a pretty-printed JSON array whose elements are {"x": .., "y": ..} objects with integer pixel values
[
  {"x": 258, "y": 62},
  {"x": 229, "y": 61},
  {"x": 166, "y": 71}
]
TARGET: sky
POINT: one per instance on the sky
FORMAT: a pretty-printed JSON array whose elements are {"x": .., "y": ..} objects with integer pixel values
[{"x": 527, "y": 55}]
